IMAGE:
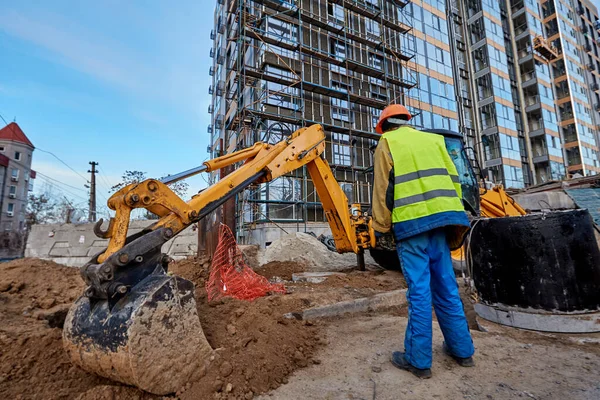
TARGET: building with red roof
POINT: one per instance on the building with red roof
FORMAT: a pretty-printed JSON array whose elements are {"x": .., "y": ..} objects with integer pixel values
[{"x": 16, "y": 176}]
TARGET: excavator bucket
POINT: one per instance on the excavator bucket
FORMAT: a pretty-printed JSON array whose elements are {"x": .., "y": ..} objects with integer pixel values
[{"x": 150, "y": 338}]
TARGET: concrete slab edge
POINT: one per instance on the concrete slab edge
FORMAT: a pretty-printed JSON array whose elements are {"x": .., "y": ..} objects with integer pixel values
[{"x": 557, "y": 323}]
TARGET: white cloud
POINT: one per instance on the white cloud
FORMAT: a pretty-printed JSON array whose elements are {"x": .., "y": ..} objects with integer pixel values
[
  {"x": 76, "y": 49},
  {"x": 165, "y": 75}
]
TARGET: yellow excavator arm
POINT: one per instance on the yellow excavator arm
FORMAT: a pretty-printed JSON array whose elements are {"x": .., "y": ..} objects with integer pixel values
[{"x": 263, "y": 162}]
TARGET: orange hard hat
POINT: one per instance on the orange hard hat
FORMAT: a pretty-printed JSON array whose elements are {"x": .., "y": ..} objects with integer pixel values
[{"x": 393, "y": 110}]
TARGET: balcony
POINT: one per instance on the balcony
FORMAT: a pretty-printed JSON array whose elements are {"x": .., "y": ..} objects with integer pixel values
[
  {"x": 536, "y": 128},
  {"x": 211, "y": 71},
  {"x": 528, "y": 78},
  {"x": 212, "y": 35},
  {"x": 220, "y": 88},
  {"x": 211, "y": 109},
  {"x": 595, "y": 87},
  {"x": 219, "y": 122},
  {"x": 212, "y": 53},
  {"x": 532, "y": 103},
  {"x": 597, "y": 24},
  {"x": 587, "y": 47},
  {"x": 532, "y": 100},
  {"x": 566, "y": 115},
  {"x": 570, "y": 138},
  {"x": 591, "y": 66},
  {"x": 209, "y": 129},
  {"x": 580, "y": 10}
]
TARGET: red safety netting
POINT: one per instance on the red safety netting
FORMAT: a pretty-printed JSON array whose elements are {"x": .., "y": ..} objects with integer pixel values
[{"x": 231, "y": 277}]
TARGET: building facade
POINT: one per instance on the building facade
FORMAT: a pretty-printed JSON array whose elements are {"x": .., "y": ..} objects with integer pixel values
[
  {"x": 16, "y": 152},
  {"x": 491, "y": 70}
]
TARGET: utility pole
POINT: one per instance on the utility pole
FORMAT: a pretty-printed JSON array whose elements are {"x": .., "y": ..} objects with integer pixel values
[{"x": 92, "y": 211}]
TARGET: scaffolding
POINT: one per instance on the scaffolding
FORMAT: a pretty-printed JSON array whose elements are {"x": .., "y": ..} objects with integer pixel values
[{"x": 290, "y": 64}]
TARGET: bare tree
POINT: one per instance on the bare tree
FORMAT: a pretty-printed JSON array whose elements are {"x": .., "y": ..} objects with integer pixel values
[
  {"x": 41, "y": 209},
  {"x": 129, "y": 177}
]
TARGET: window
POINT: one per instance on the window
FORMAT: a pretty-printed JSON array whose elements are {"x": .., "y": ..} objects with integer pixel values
[
  {"x": 17, "y": 155},
  {"x": 373, "y": 28},
  {"x": 340, "y": 110},
  {"x": 1, "y": 149},
  {"x": 348, "y": 191},
  {"x": 341, "y": 149},
  {"x": 337, "y": 49},
  {"x": 15, "y": 173},
  {"x": 335, "y": 13},
  {"x": 11, "y": 208},
  {"x": 376, "y": 61},
  {"x": 13, "y": 190},
  {"x": 281, "y": 29},
  {"x": 340, "y": 86},
  {"x": 439, "y": 55},
  {"x": 282, "y": 96}
]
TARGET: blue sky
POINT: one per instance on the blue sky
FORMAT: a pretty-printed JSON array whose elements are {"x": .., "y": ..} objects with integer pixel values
[{"x": 121, "y": 83}]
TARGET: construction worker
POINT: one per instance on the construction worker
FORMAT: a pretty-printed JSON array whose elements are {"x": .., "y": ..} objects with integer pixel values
[{"x": 417, "y": 196}]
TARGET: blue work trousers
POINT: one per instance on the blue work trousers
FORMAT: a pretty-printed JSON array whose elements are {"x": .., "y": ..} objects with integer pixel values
[{"x": 427, "y": 267}]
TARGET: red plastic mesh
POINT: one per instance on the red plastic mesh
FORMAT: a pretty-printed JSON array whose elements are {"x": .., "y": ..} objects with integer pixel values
[{"x": 231, "y": 277}]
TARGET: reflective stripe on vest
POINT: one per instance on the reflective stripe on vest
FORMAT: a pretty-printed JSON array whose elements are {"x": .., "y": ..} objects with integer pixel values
[{"x": 425, "y": 179}]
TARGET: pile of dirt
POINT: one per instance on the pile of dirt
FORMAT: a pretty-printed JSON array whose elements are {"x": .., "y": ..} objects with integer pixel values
[
  {"x": 305, "y": 249},
  {"x": 34, "y": 295},
  {"x": 256, "y": 347},
  {"x": 283, "y": 270}
]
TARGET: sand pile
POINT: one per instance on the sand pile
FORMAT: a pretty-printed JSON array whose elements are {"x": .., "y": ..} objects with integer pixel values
[
  {"x": 305, "y": 249},
  {"x": 34, "y": 295}
]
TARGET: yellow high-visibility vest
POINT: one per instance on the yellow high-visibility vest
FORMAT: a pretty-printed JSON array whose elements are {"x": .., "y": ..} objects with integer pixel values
[{"x": 426, "y": 180}]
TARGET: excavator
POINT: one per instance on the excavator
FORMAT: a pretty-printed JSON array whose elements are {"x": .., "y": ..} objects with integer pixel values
[{"x": 137, "y": 324}]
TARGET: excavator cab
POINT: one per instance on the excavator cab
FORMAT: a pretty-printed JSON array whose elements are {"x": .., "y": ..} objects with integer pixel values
[{"x": 466, "y": 174}]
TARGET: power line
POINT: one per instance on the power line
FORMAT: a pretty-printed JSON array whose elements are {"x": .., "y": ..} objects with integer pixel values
[
  {"x": 52, "y": 154},
  {"x": 62, "y": 183},
  {"x": 67, "y": 165},
  {"x": 105, "y": 183},
  {"x": 62, "y": 190}
]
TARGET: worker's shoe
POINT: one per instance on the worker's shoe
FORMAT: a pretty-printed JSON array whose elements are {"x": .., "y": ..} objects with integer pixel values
[
  {"x": 463, "y": 362},
  {"x": 399, "y": 361}
]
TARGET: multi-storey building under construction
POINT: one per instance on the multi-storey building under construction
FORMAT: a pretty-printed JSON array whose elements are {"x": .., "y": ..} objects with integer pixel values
[{"x": 491, "y": 70}]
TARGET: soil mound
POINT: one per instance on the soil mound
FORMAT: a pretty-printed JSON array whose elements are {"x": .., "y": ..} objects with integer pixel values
[
  {"x": 258, "y": 348},
  {"x": 35, "y": 294}
]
